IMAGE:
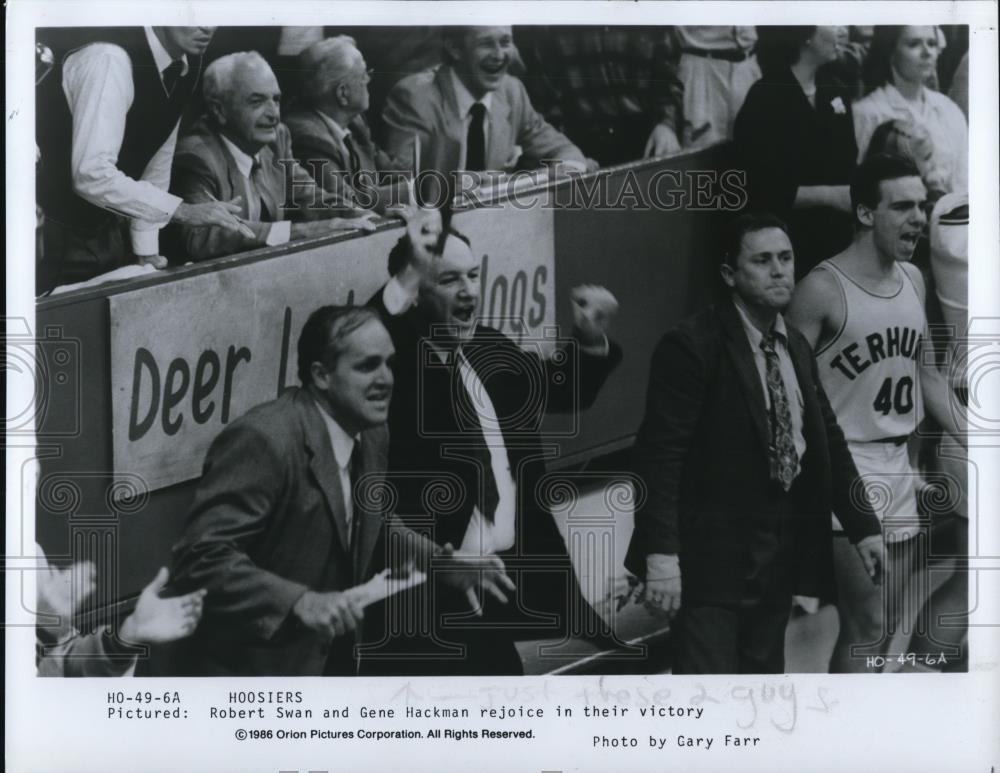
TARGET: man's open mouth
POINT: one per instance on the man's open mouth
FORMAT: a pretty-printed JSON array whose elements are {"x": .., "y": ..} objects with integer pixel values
[
  {"x": 464, "y": 314},
  {"x": 493, "y": 68},
  {"x": 910, "y": 239}
]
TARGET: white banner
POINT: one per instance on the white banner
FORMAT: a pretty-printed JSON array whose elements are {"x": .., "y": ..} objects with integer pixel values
[{"x": 188, "y": 357}]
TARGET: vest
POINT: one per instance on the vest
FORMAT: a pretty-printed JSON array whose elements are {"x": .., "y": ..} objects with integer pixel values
[{"x": 150, "y": 120}]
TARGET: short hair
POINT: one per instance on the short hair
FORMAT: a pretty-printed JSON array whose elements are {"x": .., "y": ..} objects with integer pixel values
[
  {"x": 748, "y": 222},
  {"x": 869, "y": 175},
  {"x": 780, "y": 47},
  {"x": 452, "y": 35},
  {"x": 878, "y": 63},
  {"x": 322, "y": 337},
  {"x": 895, "y": 137},
  {"x": 400, "y": 252},
  {"x": 325, "y": 64},
  {"x": 217, "y": 82}
]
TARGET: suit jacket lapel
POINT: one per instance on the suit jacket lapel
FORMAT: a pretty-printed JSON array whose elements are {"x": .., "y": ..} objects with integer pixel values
[
  {"x": 500, "y": 139},
  {"x": 368, "y": 518},
  {"x": 739, "y": 350},
  {"x": 323, "y": 464},
  {"x": 237, "y": 185},
  {"x": 801, "y": 356},
  {"x": 272, "y": 181},
  {"x": 452, "y": 134}
]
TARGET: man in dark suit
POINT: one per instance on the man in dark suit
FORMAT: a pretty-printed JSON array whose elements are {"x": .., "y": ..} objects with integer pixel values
[
  {"x": 466, "y": 453},
  {"x": 471, "y": 114},
  {"x": 743, "y": 462},
  {"x": 330, "y": 134},
  {"x": 241, "y": 150},
  {"x": 287, "y": 519}
]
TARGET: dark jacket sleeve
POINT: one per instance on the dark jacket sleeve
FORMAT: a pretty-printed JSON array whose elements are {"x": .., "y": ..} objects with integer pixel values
[
  {"x": 677, "y": 384},
  {"x": 575, "y": 377},
  {"x": 242, "y": 484}
]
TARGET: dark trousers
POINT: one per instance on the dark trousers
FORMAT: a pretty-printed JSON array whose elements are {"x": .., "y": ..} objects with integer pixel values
[
  {"x": 70, "y": 255},
  {"x": 746, "y": 636},
  {"x": 746, "y": 639}
]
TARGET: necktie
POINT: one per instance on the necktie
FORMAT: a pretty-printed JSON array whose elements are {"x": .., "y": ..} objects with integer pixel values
[
  {"x": 258, "y": 184},
  {"x": 475, "y": 146},
  {"x": 172, "y": 74},
  {"x": 480, "y": 451},
  {"x": 783, "y": 457},
  {"x": 353, "y": 157}
]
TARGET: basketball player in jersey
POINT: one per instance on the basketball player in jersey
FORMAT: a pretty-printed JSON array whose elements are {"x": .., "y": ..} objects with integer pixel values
[{"x": 863, "y": 312}]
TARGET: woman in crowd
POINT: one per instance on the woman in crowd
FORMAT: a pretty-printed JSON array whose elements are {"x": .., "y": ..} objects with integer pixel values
[
  {"x": 899, "y": 63},
  {"x": 795, "y": 139}
]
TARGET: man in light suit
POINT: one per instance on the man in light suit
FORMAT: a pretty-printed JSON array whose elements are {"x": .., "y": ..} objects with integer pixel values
[
  {"x": 241, "y": 149},
  {"x": 743, "y": 462},
  {"x": 330, "y": 134},
  {"x": 471, "y": 114},
  {"x": 288, "y": 517},
  {"x": 466, "y": 421}
]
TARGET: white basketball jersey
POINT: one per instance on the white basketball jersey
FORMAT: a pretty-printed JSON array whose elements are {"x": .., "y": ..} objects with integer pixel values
[{"x": 870, "y": 370}]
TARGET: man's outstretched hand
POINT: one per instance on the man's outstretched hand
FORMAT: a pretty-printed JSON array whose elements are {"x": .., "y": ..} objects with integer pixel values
[
  {"x": 157, "y": 620},
  {"x": 474, "y": 575}
]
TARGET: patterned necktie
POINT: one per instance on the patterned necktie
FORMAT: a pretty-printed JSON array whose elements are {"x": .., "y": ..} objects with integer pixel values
[
  {"x": 172, "y": 74},
  {"x": 475, "y": 146},
  {"x": 784, "y": 460},
  {"x": 353, "y": 159}
]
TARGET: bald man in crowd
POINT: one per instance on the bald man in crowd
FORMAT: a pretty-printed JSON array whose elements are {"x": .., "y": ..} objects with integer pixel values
[{"x": 241, "y": 151}]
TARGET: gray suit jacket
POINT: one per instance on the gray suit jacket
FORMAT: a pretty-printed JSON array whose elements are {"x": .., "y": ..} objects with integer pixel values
[
  {"x": 204, "y": 170},
  {"x": 326, "y": 157},
  {"x": 425, "y": 105},
  {"x": 268, "y": 524}
]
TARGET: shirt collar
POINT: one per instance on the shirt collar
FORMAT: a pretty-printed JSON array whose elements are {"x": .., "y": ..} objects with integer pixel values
[
  {"x": 896, "y": 99},
  {"x": 339, "y": 132},
  {"x": 243, "y": 162},
  {"x": 464, "y": 98},
  {"x": 343, "y": 444},
  {"x": 160, "y": 56},
  {"x": 753, "y": 334}
]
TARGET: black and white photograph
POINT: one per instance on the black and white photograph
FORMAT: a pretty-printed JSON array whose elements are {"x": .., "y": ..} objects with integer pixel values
[{"x": 550, "y": 386}]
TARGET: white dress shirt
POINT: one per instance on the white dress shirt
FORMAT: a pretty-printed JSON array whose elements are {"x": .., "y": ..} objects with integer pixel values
[
  {"x": 465, "y": 101},
  {"x": 343, "y": 448},
  {"x": 482, "y": 536},
  {"x": 795, "y": 402},
  {"x": 97, "y": 82},
  {"x": 281, "y": 230}
]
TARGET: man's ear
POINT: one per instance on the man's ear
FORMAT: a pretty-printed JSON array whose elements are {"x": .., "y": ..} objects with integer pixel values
[
  {"x": 728, "y": 274},
  {"x": 216, "y": 111},
  {"x": 864, "y": 215},
  {"x": 320, "y": 375},
  {"x": 340, "y": 91},
  {"x": 453, "y": 52}
]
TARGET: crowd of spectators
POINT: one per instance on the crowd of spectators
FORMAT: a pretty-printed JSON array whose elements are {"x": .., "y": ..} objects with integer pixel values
[{"x": 205, "y": 134}]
